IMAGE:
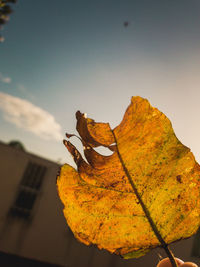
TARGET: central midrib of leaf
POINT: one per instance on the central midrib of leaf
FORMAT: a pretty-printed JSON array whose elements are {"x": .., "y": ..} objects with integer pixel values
[{"x": 146, "y": 211}]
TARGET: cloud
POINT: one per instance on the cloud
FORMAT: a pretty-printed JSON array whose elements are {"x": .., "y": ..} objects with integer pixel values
[
  {"x": 29, "y": 117},
  {"x": 5, "y": 79}
]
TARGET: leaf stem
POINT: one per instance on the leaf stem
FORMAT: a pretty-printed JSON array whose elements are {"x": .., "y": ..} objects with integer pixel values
[
  {"x": 146, "y": 211},
  {"x": 171, "y": 256}
]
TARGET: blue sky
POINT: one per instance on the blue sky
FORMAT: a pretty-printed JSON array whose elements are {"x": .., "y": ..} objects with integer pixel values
[{"x": 62, "y": 56}]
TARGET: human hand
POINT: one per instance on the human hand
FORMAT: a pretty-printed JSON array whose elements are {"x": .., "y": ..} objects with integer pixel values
[{"x": 166, "y": 263}]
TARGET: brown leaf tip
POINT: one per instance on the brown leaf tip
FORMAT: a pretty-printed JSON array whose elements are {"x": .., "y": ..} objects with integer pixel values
[
  {"x": 69, "y": 135},
  {"x": 78, "y": 115},
  {"x": 73, "y": 151}
]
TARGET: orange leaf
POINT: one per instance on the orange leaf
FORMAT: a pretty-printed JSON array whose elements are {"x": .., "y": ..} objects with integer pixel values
[{"x": 147, "y": 192}]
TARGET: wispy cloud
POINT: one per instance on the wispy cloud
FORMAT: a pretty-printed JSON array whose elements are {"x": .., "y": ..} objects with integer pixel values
[
  {"x": 29, "y": 117},
  {"x": 5, "y": 79}
]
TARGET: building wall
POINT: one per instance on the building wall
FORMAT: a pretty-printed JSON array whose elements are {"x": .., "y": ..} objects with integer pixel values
[
  {"x": 46, "y": 237},
  {"x": 43, "y": 236}
]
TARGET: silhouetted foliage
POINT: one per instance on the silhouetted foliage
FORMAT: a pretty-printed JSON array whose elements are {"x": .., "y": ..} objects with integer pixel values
[{"x": 5, "y": 11}]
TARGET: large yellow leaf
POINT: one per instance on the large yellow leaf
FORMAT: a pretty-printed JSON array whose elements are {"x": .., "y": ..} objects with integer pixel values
[{"x": 147, "y": 191}]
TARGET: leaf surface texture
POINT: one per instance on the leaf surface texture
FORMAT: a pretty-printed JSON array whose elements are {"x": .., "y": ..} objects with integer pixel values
[{"x": 100, "y": 205}]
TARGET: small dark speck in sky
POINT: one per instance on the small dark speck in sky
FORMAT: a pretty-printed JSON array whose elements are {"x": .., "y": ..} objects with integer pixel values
[{"x": 126, "y": 23}]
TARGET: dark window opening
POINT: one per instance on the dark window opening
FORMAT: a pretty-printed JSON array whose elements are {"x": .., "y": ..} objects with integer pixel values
[
  {"x": 33, "y": 176},
  {"x": 29, "y": 189}
]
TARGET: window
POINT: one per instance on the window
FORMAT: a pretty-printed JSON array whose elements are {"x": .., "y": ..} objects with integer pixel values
[
  {"x": 33, "y": 176},
  {"x": 28, "y": 190}
]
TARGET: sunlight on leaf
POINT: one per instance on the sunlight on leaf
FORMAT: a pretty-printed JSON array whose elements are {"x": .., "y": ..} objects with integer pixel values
[{"x": 100, "y": 205}]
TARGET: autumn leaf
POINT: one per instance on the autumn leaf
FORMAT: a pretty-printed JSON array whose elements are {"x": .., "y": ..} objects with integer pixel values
[{"x": 146, "y": 194}]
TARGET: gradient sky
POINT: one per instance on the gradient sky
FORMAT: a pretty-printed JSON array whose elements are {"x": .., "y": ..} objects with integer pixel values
[{"x": 62, "y": 56}]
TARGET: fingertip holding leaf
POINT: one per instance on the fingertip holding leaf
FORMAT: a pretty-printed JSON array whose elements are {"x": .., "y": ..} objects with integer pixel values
[
  {"x": 101, "y": 206},
  {"x": 166, "y": 262}
]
